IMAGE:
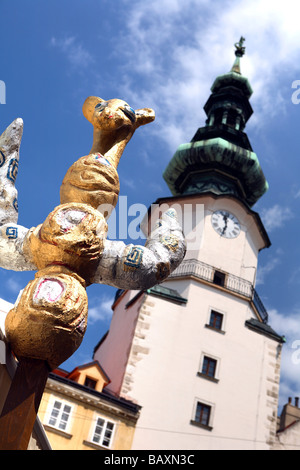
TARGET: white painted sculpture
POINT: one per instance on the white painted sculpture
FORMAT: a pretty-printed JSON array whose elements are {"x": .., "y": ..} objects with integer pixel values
[{"x": 11, "y": 235}]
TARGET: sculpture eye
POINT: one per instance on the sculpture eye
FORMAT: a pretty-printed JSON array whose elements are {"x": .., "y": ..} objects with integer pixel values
[
  {"x": 100, "y": 106},
  {"x": 130, "y": 113}
]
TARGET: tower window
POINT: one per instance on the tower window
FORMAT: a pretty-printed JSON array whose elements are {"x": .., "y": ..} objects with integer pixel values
[
  {"x": 219, "y": 278},
  {"x": 202, "y": 416},
  {"x": 231, "y": 119},
  {"x": 218, "y": 116},
  {"x": 216, "y": 320},
  {"x": 209, "y": 367}
]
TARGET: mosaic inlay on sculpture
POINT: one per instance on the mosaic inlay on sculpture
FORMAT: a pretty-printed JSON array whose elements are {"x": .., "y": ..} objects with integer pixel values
[{"x": 69, "y": 250}]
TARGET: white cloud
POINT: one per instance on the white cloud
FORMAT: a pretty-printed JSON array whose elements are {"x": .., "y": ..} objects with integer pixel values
[
  {"x": 275, "y": 217},
  {"x": 76, "y": 54},
  {"x": 130, "y": 183},
  {"x": 100, "y": 310},
  {"x": 288, "y": 325},
  {"x": 190, "y": 43},
  {"x": 295, "y": 276},
  {"x": 13, "y": 285},
  {"x": 265, "y": 270}
]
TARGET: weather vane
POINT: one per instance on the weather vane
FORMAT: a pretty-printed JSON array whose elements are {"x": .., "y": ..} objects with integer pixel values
[
  {"x": 69, "y": 251},
  {"x": 240, "y": 49}
]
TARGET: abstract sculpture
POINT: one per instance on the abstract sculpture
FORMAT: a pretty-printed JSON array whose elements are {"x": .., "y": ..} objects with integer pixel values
[{"x": 70, "y": 250}]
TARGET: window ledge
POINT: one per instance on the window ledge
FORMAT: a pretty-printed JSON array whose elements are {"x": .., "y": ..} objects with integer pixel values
[
  {"x": 94, "y": 445},
  {"x": 207, "y": 377},
  {"x": 199, "y": 425},
  {"x": 58, "y": 431},
  {"x": 222, "y": 332}
]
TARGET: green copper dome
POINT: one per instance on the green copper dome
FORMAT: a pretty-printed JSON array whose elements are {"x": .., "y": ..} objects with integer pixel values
[
  {"x": 216, "y": 165},
  {"x": 220, "y": 158}
]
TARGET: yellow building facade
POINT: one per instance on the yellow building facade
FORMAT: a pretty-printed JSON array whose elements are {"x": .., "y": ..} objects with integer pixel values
[{"x": 78, "y": 414}]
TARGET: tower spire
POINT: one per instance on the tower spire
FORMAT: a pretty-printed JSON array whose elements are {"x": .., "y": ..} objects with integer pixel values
[
  {"x": 220, "y": 159},
  {"x": 239, "y": 52}
]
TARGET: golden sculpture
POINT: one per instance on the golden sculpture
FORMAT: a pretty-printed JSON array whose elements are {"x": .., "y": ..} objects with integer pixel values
[
  {"x": 114, "y": 123},
  {"x": 73, "y": 235},
  {"x": 50, "y": 319},
  {"x": 70, "y": 250}
]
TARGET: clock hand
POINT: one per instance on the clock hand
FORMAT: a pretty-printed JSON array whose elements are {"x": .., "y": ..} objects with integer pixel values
[{"x": 225, "y": 217}]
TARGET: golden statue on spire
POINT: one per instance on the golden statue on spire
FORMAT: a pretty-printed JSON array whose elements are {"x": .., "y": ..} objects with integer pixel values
[
  {"x": 240, "y": 49},
  {"x": 239, "y": 52}
]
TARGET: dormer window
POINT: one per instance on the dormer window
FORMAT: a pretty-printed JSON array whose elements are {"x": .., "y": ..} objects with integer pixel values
[{"x": 91, "y": 383}]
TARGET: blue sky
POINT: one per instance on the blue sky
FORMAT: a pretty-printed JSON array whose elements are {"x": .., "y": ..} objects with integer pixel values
[{"x": 163, "y": 54}]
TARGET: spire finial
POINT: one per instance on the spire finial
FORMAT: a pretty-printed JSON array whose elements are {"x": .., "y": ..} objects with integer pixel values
[
  {"x": 240, "y": 49},
  {"x": 239, "y": 52}
]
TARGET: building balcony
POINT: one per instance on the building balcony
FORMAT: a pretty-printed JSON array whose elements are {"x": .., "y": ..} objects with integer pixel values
[{"x": 222, "y": 280}]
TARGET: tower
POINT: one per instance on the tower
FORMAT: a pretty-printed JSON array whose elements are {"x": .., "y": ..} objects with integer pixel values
[{"x": 197, "y": 352}]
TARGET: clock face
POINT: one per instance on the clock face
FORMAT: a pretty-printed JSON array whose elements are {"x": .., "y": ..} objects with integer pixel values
[{"x": 225, "y": 224}]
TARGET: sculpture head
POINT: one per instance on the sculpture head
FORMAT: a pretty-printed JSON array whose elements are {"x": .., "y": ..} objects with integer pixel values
[
  {"x": 113, "y": 114},
  {"x": 93, "y": 179}
]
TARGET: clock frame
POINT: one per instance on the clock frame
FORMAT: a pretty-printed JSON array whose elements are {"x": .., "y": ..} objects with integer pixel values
[{"x": 225, "y": 224}]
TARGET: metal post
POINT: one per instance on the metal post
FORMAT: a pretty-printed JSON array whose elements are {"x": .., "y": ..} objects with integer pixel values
[{"x": 21, "y": 406}]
